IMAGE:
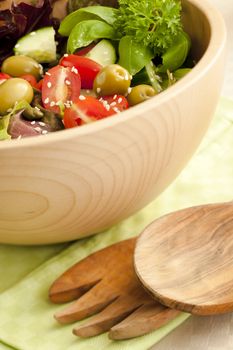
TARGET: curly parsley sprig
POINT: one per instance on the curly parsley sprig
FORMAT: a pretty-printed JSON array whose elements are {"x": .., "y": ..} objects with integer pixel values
[{"x": 153, "y": 23}]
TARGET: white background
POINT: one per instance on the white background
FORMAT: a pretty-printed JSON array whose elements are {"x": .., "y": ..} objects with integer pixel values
[{"x": 226, "y": 8}]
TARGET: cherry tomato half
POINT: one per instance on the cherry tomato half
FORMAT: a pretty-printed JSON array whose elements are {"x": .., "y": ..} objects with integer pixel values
[
  {"x": 60, "y": 85},
  {"x": 87, "y": 68},
  {"x": 39, "y": 84},
  {"x": 30, "y": 78},
  {"x": 85, "y": 110},
  {"x": 116, "y": 102}
]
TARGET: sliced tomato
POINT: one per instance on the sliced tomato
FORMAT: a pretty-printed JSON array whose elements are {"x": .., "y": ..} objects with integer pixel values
[
  {"x": 116, "y": 102},
  {"x": 30, "y": 78},
  {"x": 39, "y": 84},
  {"x": 60, "y": 86},
  {"x": 3, "y": 77},
  {"x": 86, "y": 110},
  {"x": 87, "y": 68}
]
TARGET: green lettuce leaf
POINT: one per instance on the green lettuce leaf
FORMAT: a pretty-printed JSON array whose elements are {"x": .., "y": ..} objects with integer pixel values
[{"x": 4, "y": 123}]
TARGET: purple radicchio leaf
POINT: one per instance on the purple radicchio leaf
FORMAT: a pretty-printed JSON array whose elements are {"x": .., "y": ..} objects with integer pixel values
[
  {"x": 19, "y": 127},
  {"x": 36, "y": 16},
  {"x": 21, "y": 19},
  {"x": 12, "y": 25}
]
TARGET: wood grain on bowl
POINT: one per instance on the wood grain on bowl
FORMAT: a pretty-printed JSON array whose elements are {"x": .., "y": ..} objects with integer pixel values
[{"x": 74, "y": 183}]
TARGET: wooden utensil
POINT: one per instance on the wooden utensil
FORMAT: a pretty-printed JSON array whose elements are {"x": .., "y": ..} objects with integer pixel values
[
  {"x": 185, "y": 259},
  {"x": 105, "y": 283}
]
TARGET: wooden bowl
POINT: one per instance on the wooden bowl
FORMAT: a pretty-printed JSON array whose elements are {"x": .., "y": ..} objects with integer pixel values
[{"x": 80, "y": 181}]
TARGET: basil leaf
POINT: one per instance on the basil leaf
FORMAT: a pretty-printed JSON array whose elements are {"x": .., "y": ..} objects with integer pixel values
[
  {"x": 176, "y": 55},
  {"x": 106, "y": 14},
  {"x": 74, "y": 5},
  {"x": 132, "y": 55},
  {"x": 87, "y": 31}
]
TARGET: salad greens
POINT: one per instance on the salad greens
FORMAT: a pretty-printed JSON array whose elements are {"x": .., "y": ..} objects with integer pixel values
[
  {"x": 85, "y": 32},
  {"x": 176, "y": 54},
  {"x": 145, "y": 28},
  {"x": 132, "y": 55},
  {"x": 74, "y": 5},
  {"x": 101, "y": 13},
  {"x": 102, "y": 58},
  {"x": 20, "y": 19},
  {"x": 5, "y": 121},
  {"x": 153, "y": 23},
  {"x": 18, "y": 121}
]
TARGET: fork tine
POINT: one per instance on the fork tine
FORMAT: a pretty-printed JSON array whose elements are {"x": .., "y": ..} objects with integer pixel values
[
  {"x": 76, "y": 281},
  {"x": 90, "y": 303},
  {"x": 144, "y": 320},
  {"x": 111, "y": 315},
  {"x": 74, "y": 292}
]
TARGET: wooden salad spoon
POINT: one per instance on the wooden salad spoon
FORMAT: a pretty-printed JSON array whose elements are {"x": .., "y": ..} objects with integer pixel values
[
  {"x": 105, "y": 284},
  {"x": 185, "y": 259}
]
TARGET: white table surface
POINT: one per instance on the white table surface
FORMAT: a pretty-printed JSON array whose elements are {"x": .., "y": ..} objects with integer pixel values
[
  {"x": 208, "y": 333},
  {"x": 226, "y": 8}
]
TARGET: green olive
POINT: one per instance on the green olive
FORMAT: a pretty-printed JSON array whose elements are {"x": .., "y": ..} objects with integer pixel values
[
  {"x": 16, "y": 66},
  {"x": 112, "y": 79},
  {"x": 140, "y": 93},
  {"x": 14, "y": 90}
]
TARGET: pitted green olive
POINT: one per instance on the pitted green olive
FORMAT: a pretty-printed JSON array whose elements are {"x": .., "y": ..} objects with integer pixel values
[
  {"x": 16, "y": 66},
  {"x": 112, "y": 79},
  {"x": 14, "y": 90},
  {"x": 140, "y": 93}
]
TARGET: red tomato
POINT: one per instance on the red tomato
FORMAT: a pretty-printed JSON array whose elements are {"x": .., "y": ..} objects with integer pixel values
[
  {"x": 85, "y": 50},
  {"x": 87, "y": 68},
  {"x": 116, "y": 102},
  {"x": 85, "y": 110},
  {"x": 30, "y": 78},
  {"x": 39, "y": 84},
  {"x": 60, "y": 85},
  {"x": 3, "y": 77}
]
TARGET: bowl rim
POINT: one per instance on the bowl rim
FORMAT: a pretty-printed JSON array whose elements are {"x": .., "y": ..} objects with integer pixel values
[{"x": 216, "y": 45}]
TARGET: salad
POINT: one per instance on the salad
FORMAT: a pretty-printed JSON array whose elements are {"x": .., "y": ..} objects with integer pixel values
[{"x": 97, "y": 61}]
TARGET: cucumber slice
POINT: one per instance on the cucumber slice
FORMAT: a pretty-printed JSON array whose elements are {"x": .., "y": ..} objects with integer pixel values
[
  {"x": 103, "y": 53},
  {"x": 39, "y": 45}
]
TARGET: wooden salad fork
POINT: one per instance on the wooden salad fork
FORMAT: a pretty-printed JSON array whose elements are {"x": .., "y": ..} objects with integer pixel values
[{"x": 105, "y": 284}]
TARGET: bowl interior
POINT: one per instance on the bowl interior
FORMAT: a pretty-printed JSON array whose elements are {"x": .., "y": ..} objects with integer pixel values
[{"x": 197, "y": 25}]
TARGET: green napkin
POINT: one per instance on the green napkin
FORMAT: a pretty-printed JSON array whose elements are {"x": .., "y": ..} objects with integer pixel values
[
  {"x": 26, "y": 321},
  {"x": 16, "y": 262}
]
